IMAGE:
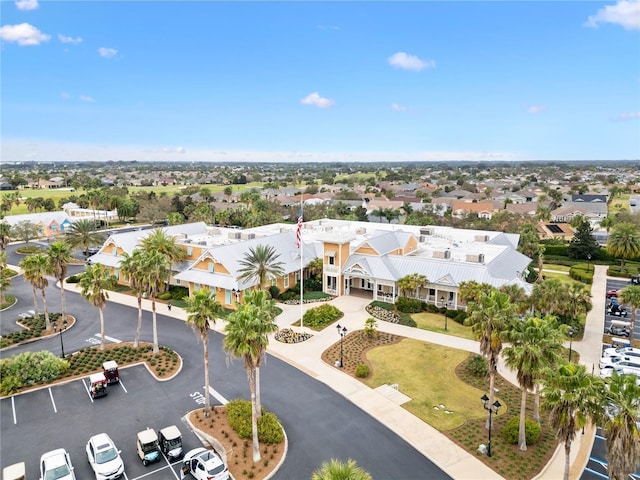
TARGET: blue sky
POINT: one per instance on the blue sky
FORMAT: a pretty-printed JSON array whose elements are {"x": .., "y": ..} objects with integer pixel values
[{"x": 319, "y": 81}]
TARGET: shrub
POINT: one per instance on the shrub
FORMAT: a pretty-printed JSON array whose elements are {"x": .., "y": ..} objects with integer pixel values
[
  {"x": 362, "y": 370},
  {"x": 460, "y": 316},
  {"x": 318, "y": 317},
  {"x": 73, "y": 279},
  {"x": 409, "y": 305},
  {"x": 477, "y": 365},
  {"x": 165, "y": 296},
  {"x": 274, "y": 291},
  {"x": 30, "y": 368},
  {"x": 313, "y": 285},
  {"x": 370, "y": 328},
  {"x": 239, "y": 416},
  {"x": 511, "y": 428}
]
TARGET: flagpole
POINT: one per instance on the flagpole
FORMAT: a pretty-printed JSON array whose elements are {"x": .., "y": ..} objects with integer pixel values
[{"x": 301, "y": 270}]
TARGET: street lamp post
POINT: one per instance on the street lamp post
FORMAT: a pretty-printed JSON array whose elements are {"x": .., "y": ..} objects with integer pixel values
[
  {"x": 445, "y": 305},
  {"x": 491, "y": 409},
  {"x": 55, "y": 329},
  {"x": 342, "y": 331},
  {"x": 571, "y": 332}
]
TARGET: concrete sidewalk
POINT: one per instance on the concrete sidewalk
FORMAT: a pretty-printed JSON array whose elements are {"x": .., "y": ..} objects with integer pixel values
[{"x": 455, "y": 461}]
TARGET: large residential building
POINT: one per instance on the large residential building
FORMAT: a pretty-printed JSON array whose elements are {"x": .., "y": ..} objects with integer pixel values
[{"x": 359, "y": 258}]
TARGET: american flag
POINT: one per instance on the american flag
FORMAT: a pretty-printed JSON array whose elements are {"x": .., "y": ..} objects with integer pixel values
[{"x": 299, "y": 230}]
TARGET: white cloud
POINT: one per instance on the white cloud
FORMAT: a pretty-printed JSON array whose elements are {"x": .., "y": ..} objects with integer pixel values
[
  {"x": 409, "y": 62},
  {"x": 107, "y": 52},
  {"x": 87, "y": 98},
  {"x": 65, "y": 39},
  {"x": 398, "y": 108},
  {"x": 23, "y": 34},
  {"x": 627, "y": 116},
  {"x": 181, "y": 150},
  {"x": 27, "y": 4},
  {"x": 315, "y": 99},
  {"x": 625, "y": 13},
  {"x": 65, "y": 96},
  {"x": 536, "y": 109}
]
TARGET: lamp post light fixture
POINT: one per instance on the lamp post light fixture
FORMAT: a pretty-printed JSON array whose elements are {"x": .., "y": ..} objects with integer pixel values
[
  {"x": 491, "y": 409},
  {"x": 55, "y": 329},
  {"x": 237, "y": 293},
  {"x": 589, "y": 262},
  {"x": 342, "y": 331},
  {"x": 571, "y": 332},
  {"x": 445, "y": 304}
]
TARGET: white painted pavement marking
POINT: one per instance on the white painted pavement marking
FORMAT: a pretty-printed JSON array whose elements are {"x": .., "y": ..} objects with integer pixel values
[
  {"x": 87, "y": 389},
  {"x": 13, "y": 407},
  {"x": 122, "y": 385},
  {"x": 169, "y": 466},
  {"x": 218, "y": 396},
  {"x": 107, "y": 337},
  {"x": 53, "y": 401}
]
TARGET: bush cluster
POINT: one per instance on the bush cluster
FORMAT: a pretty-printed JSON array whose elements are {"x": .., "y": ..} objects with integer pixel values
[
  {"x": 409, "y": 305},
  {"x": 511, "y": 428},
  {"x": 29, "y": 368},
  {"x": 318, "y": 317},
  {"x": 362, "y": 370},
  {"x": 239, "y": 416},
  {"x": 582, "y": 273}
]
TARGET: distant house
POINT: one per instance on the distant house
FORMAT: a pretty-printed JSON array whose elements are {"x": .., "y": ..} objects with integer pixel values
[
  {"x": 548, "y": 230},
  {"x": 594, "y": 212},
  {"x": 589, "y": 198},
  {"x": 484, "y": 209},
  {"x": 49, "y": 224}
]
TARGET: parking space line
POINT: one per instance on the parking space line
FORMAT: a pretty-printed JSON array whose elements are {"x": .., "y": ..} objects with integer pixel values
[
  {"x": 156, "y": 471},
  {"x": 107, "y": 337},
  {"x": 53, "y": 401},
  {"x": 217, "y": 396},
  {"x": 587, "y": 469},
  {"x": 87, "y": 389},
  {"x": 13, "y": 407},
  {"x": 122, "y": 385},
  {"x": 170, "y": 464}
]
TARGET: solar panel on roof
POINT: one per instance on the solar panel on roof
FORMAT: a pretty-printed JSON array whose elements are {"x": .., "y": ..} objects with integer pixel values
[{"x": 554, "y": 228}]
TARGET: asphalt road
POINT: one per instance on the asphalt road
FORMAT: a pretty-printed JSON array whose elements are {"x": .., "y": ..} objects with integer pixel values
[{"x": 320, "y": 424}]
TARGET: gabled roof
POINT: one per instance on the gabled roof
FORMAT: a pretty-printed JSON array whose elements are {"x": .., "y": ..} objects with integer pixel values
[{"x": 385, "y": 242}]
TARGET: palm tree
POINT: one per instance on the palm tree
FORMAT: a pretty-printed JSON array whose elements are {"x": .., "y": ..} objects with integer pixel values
[
  {"x": 242, "y": 332},
  {"x": 5, "y": 235},
  {"x": 59, "y": 255},
  {"x": 84, "y": 235},
  {"x": 470, "y": 292},
  {"x": 159, "y": 241},
  {"x": 265, "y": 311},
  {"x": 156, "y": 270},
  {"x": 94, "y": 283},
  {"x": 624, "y": 242},
  {"x": 571, "y": 396},
  {"x": 36, "y": 269},
  {"x": 547, "y": 296},
  {"x": 631, "y": 296},
  {"x": 261, "y": 265},
  {"x": 622, "y": 430},
  {"x": 203, "y": 309},
  {"x": 536, "y": 344},
  {"x": 488, "y": 322},
  {"x": 132, "y": 267},
  {"x": 576, "y": 300},
  {"x": 412, "y": 283},
  {"x": 339, "y": 470}
]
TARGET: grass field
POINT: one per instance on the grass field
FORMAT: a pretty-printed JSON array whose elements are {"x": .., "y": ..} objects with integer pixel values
[
  {"x": 434, "y": 322},
  {"x": 426, "y": 373}
]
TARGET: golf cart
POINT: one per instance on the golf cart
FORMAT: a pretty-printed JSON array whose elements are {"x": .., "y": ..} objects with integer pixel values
[
  {"x": 170, "y": 440},
  {"x": 14, "y": 472},
  {"x": 635, "y": 280},
  {"x": 616, "y": 309},
  {"x": 147, "y": 446},
  {"x": 619, "y": 328},
  {"x": 111, "y": 372},
  {"x": 98, "y": 385}
]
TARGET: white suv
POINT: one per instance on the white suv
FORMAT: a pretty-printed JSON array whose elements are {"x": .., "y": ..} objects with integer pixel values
[
  {"x": 104, "y": 457},
  {"x": 619, "y": 351}
]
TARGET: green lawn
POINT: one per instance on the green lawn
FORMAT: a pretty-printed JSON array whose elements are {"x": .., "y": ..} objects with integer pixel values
[
  {"x": 553, "y": 266},
  {"x": 434, "y": 322},
  {"x": 426, "y": 373}
]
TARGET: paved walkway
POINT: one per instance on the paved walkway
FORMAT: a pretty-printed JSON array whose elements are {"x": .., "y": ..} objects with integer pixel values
[{"x": 458, "y": 463}]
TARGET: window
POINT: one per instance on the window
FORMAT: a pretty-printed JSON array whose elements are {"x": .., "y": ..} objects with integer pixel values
[
  {"x": 114, "y": 250},
  {"x": 298, "y": 277},
  {"x": 189, "y": 251},
  {"x": 196, "y": 287},
  {"x": 286, "y": 281},
  {"x": 332, "y": 260},
  {"x": 116, "y": 273},
  {"x": 227, "y": 296},
  {"x": 210, "y": 267}
]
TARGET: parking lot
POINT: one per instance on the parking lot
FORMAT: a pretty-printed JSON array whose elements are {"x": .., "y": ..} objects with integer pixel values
[
  {"x": 66, "y": 416},
  {"x": 617, "y": 285}
]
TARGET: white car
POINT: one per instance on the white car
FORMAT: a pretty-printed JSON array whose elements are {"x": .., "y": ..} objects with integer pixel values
[
  {"x": 611, "y": 352},
  {"x": 611, "y": 361},
  {"x": 204, "y": 464},
  {"x": 56, "y": 465},
  {"x": 104, "y": 457}
]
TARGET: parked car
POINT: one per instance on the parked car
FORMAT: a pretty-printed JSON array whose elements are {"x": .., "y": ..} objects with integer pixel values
[
  {"x": 170, "y": 440},
  {"x": 204, "y": 464},
  {"x": 620, "y": 351},
  {"x": 619, "y": 328},
  {"x": 98, "y": 385},
  {"x": 616, "y": 309},
  {"x": 111, "y": 372},
  {"x": 612, "y": 293},
  {"x": 147, "y": 446},
  {"x": 611, "y": 361},
  {"x": 56, "y": 465},
  {"x": 14, "y": 472},
  {"x": 623, "y": 367},
  {"x": 104, "y": 457}
]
